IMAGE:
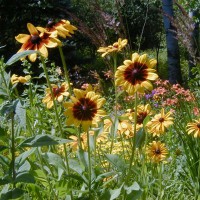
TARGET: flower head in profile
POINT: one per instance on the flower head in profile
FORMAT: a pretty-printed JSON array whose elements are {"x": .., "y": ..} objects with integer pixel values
[
  {"x": 156, "y": 151},
  {"x": 136, "y": 74},
  {"x": 63, "y": 28},
  {"x": 19, "y": 79},
  {"x": 116, "y": 47},
  {"x": 160, "y": 123},
  {"x": 194, "y": 128},
  {"x": 84, "y": 108},
  {"x": 38, "y": 41},
  {"x": 58, "y": 94}
]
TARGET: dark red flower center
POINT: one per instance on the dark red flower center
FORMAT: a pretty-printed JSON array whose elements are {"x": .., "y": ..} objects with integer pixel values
[
  {"x": 198, "y": 125},
  {"x": 85, "y": 109},
  {"x": 35, "y": 39},
  {"x": 157, "y": 151},
  {"x": 136, "y": 73},
  {"x": 57, "y": 91},
  {"x": 161, "y": 120},
  {"x": 140, "y": 117}
]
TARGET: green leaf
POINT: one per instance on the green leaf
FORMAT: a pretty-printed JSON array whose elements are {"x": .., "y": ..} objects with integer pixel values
[
  {"x": 19, "y": 56},
  {"x": 4, "y": 160},
  {"x": 5, "y": 180},
  {"x": 55, "y": 160},
  {"x": 12, "y": 194},
  {"x": 115, "y": 193},
  {"x": 133, "y": 192},
  {"x": 140, "y": 137},
  {"x": 41, "y": 177},
  {"x": 117, "y": 162},
  {"x": 21, "y": 113},
  {"x": 22, "y": 157},
  {"x": 43, "y": 140},
  {"x": 25, "y": 167},
  {"x": 2, "y": 147},
  {"x": 8, "y": 107},
  {"x": 104, "y": 175},
  {"x": 25, "y": 177}
]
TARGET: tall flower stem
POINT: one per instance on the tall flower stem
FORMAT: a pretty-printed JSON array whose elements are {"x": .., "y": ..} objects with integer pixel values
[
  {"x": 133, "y": 139},
  {"x": 13, "y": 149},
  {"x": 65, "y": 68},
  {"x": 116, "y": 100},
  {"x": 56, "y": 112},
  {"x": 89, "y": 164}
]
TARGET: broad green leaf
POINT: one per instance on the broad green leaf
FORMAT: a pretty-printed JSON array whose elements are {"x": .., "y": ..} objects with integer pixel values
[
  {"x": 25, "y": 177},
  {"x": 43, "y": 140},
  {"x": 117, "y": 162},
  {"x": 5, "y": 180},
  {"x": 8, "y": 107},
  {"x": 140, "y": 137},
  {"x": 21, "y": 113},
  {"x": 4, "y": 160},
  {"x": 25, "y": 167},
  {"x": 133, "y": 192},
  {"x": 41, "y": 177},
  {"x": 115, "y": 193},
  {"x": 54, "y": 159},
  {"x": 12, "y": 194},
  {"x": 22, "y": 157},
  {"x": 19, "y": 56}
]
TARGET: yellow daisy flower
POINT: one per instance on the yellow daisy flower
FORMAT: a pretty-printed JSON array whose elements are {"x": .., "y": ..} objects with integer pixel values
[
  {"x": 156, "y": 151},
  {"x": 194, "y": 128},
  {"x": 38, "y": 41},
  {"x": 84, "y": 110},
  {"x": 159, "y": 123},
  {"x": 63, "y": 27},
  {"x": 142, "y": 112},
  {"x": 136, "y": 74},
  {"x": 58, "y": 93},
  {"x": 19, "y": 79},
  {"x": 74, "y": 144},
  {"x": 116, "y": 47}
]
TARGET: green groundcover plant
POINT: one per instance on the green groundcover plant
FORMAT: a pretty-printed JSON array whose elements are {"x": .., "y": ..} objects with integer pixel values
[{"x": 60, "y": 142}]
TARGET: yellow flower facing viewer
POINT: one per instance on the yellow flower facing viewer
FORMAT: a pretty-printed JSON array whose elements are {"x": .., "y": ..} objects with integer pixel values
[
  {"x": 194, "y": 128},
  {"x": 84, "y": 109},
  {"x": 19, "y": 79},
  {"x": 156, "y": 151},
  {"x": 116, "y": 47},
  {"x": 58, "y": 93},
  {"x": 38, "y": 41},
  {"x": 63, "y": 28},
  {"x": 160, "y": 123},
  {"x": 136, "y": 74}
]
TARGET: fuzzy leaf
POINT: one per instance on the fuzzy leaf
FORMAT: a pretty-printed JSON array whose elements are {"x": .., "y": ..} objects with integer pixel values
[
  {"x": 19, "y": 56},
  {"x": 43, "y": 140}
]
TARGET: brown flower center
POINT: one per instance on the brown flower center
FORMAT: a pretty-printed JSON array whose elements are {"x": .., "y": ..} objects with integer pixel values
[
  {"x": 198, "y": 125},
  {"x": 136, "y": 73},
  {"x": 35, "y": 39},
  {"x": 161, "y": 120},
  {"x": 141, "y": 117},
  {"x": 85, "y": 109},
  {"x": 57, "y": 91},
  {"x": 157, "y": 151}
]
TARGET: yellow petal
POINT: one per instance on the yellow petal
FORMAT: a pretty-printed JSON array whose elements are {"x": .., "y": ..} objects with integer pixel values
[
  {"x": 43, "y": 50},
  {"x": 32, "y": 29},
  {"x": 22, "y": 38}
]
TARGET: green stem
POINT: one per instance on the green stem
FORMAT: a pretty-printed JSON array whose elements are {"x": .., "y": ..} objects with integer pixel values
[
  {"x": 57, "y": 116},
  {"x": 113, "y": 129},
  {"x": 133, "y": 140},
  {"x": 89, "y": 164},
  {"x": 65, "y": 68},
  {"x": 13, "y": 149}
]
